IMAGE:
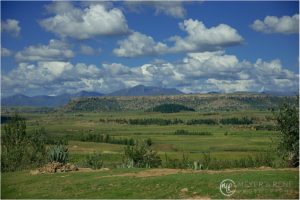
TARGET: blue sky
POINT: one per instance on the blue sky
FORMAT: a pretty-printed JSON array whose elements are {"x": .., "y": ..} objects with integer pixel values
[{"x": 53, "y": 48}]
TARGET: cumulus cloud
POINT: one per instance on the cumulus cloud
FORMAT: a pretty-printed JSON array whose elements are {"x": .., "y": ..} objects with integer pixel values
[
  {"x": 84, "y": 23},
  {"x": 225, "y": 73},
  {"x": 88, "y": 50},
  {"x": 199, "y": 38},
  {"x": 5, "y": 52},
  {"x": 52, "y": 76},
  {"x": 197, "y": 72},
  {"x": 11, "y": 26},
  {"x": 170, "y": 8},
  {"x": 273, "y": 24},
  {"x": 55, "y": 50},
  {"x": 173, "y": 9},
  {"x": 138, "y": 44}
]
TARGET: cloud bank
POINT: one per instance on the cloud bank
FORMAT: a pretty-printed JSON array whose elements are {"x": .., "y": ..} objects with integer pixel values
[{"x": 196, "y": 72}]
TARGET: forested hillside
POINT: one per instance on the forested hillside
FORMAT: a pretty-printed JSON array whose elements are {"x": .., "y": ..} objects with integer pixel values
[{"x": 194, "y": 101}]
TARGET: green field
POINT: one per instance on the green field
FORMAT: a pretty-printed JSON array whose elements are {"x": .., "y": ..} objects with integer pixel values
[
  {"x": 225, "y": 142},
  {"x": 240, "y": 140},
  {"x": 133, "y": 183}
]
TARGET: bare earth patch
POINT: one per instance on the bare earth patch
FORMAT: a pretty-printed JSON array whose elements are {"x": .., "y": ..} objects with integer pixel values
[{"x": 165, "y": 172}]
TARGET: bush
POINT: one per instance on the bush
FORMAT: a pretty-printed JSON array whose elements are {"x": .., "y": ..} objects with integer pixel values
[
  {"x": 186, "y": 132},
  {"x": 56, "y": 140},
  {"x": 58, "y": 153},
  {"x": 201, "y": 121},
  {"x": 149, "y": 142},
  {"x": 237, "y": 121},
  {"x": 258, "y": 160},
  {"x": 104, "y": 138},
  {"x": 140, "y": 155},
  {"x": 171, "y": 108},
  {"x": 94, "y": 161},
  {"x": 20, "y": 150},
  {"x": 184, "y": 163},
  {"x": 150, "y": 121},
  {"x": 288, "y": 125}
]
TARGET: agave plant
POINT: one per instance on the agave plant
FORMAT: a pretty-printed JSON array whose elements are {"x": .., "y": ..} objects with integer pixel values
[{"x": 58, "y": 153}]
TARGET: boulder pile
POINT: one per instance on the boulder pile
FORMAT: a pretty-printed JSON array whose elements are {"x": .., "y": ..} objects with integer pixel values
[{"x": 55, "y": 167}]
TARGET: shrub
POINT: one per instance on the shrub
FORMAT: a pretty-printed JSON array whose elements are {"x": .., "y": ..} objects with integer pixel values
[
  {"x": 20, "y": 150},
  {"x": 201, "y": 121},
  {"x": 258, "y": 160},
  {"x": 58, "y": 153},
  {"x": 149, "y": 142},
  {"x": 94, "y": 161},
  {"x": 288, "y": 125},
  {"x": 105, "y": 138},
  {"x": 237, "y": 121},
  {"x": 140, "y": 155},
  {"x": 56, "y": 140},
  {"x": 184, "y": 163},
  {"x": 171, "y": 108},
  {"x": 150, "y": 121},
  {"x": 186, "y": 132}
]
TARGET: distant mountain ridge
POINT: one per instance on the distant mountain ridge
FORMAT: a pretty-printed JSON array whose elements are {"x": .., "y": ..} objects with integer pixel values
[
  {"x": 44, "y": 100},
  {"x": 60, "y": 100}
]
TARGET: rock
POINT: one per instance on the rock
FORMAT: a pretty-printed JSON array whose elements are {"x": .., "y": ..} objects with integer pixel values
[
  {"x": 73, "y": 168},
  {"x": 104, "y": 169},
  {"x": 57, "y": 167},
  {"x": 184, "y": 190},
  {"x": 34, "y": 172}
]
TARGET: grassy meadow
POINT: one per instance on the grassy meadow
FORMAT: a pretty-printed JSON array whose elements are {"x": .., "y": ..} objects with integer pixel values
[{"x": 224, "y": 143}]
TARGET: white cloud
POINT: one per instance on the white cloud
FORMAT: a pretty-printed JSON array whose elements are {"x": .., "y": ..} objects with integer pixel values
[
  {"x": 170, "y": 8},
  {"x": 11, "y": 26},
  {"x": 5, "y": 52},
  {"x": 138, "y": 44},
  {"x": 88, "y": 50},
  {"x": 55, "y": 50},
  {"x": 94, "y": 20},
  {"x": 199, "y": 38},
  {"x": 197, "y": 72},
  {"x": 52, "y": 76},
  {"x": 273, "y": 24}
]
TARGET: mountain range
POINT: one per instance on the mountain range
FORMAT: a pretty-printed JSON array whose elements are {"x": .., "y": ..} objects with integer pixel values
[{"x": 60, "y": 100}]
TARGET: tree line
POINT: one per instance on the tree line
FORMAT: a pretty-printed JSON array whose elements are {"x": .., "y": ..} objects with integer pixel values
[{"x": 165, "y": 122}]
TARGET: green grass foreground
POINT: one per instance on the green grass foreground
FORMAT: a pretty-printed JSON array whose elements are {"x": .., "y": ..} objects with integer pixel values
[{"x": 145, "y": 183}]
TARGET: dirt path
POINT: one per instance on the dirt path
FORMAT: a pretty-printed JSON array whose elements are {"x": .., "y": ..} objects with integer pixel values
[{"x": 165, "y": 172}]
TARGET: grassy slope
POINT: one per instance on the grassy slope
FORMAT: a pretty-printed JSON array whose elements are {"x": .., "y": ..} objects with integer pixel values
[
  {"x": 195, "y": 101},
  {"x": 240, "y": 142},
  {"x": 273, "y": 184}
]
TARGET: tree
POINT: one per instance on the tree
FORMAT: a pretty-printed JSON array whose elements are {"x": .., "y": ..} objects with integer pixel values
[
  {"x": 21, "y": 150},
  {"x": 288, "y": 125}
]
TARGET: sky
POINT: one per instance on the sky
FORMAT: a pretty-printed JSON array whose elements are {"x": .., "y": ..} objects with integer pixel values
[{"x": 51, "y": 48}]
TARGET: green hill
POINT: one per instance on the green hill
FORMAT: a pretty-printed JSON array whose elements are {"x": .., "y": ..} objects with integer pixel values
[{"x": 199, "y": 102}]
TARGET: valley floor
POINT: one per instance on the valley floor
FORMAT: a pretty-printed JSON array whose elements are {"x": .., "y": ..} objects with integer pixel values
[{"x": 264, "y": 183}]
